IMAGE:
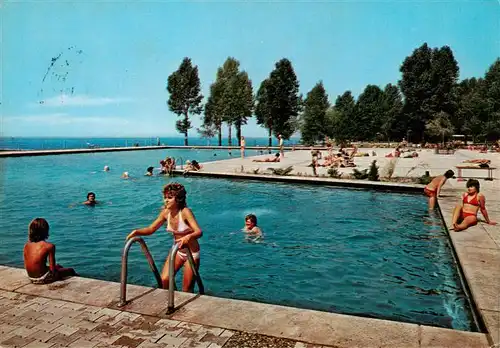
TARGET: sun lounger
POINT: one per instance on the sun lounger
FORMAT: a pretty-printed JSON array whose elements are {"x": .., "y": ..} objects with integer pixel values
[{"x": 461, "y": 167}]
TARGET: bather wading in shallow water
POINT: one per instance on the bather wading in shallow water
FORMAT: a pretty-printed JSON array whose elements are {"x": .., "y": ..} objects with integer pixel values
[{"x": 182, "y": 223}]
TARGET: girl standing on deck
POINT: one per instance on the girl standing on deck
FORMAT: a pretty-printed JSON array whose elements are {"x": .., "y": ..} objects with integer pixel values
[
  {"x": 465, "y": 213},
  {"x": 182, "y": 223}
]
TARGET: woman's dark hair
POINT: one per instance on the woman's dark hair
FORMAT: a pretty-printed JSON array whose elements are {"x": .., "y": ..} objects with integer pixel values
[
  {"x": 90, "y": 194},
  {"x": 150, "y": 169},
  {"x": 252, "y": 218},
  {"x": 38, "y": 230},
  {"x": 177, "y": 191},
  {"x": 449, "y": 174},
  {"x": 277, "y": 154},
  {"x": 473, "y": 183}
]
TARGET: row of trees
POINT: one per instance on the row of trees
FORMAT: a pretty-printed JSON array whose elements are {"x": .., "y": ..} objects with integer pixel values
[{"x": 428, "y": 103}]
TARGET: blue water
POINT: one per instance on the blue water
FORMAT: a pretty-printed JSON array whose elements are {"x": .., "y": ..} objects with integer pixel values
[
  {"x": 357, "y": 252},
  {"x": 26, "y": 143}
]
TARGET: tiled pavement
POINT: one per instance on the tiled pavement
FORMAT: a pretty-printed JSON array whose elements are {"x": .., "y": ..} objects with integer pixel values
[{"x": 35, "y": 322}]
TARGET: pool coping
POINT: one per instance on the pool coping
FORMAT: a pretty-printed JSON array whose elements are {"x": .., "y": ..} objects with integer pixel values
[
  {"x": 302, "y": 325},
  {"x": 50, "y": 152},
  {"x": 321, "y": 181}
]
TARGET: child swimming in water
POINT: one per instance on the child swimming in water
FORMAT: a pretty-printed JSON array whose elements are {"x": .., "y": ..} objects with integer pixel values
[
  {"x": 251, "y": 228},
  {"x": 36, "y": 253}
]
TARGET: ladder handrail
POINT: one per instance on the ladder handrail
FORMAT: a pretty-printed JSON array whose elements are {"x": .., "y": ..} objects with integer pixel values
[
  {"x": 152, "y": 265},
  {"x": 181, "y": 162},
  {"x": 171, "y": 275}
]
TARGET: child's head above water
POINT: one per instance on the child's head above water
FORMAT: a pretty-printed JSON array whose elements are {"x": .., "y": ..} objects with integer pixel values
[
  {"x": 250, "y": 221},
  {"x": 38, "y": 230}
]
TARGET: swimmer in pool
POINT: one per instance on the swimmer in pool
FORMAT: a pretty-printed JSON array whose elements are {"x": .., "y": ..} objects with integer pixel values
[
  {"x": 251, "y": 228},
  {"x": 184, "y": 227},
  {"x": 90, "y": 199},
  {"x": 106, "y": 169},
  {"x": 149, "y": 171},
  {"x": 125, "y": 175}
]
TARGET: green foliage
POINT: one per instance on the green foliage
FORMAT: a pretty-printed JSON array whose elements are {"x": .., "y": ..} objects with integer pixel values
[
  {"x": 281, "y": 171},
  {"x": 185, "y": 96},
  {"x": 278, "y": 101},
  {"x": 236, "y": 100},
  {"x": 373, "y": 172},
  {"x": 428, "y": 80},
  {"x": 334, "y": 173},
  {"x": 440, "y": 126},
  {"x": 314, "y": 117},
  {"x": 344, "y": 110},
  {"x": 424, "y": 179},
  {"x": 393, "y": 122},
  {"x": 360, "y": 174},
  {"x": 369, "y": 115}
]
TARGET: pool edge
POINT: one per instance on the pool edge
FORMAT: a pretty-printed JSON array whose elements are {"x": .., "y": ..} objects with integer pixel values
[{"x": 301, "y": 325}]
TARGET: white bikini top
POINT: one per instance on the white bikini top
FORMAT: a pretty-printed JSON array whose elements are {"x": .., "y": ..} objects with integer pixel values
[{"x": 182, "y": 227}]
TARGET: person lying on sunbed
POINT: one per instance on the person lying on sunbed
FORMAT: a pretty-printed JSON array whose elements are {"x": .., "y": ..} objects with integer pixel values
[{"x": 276, "y": 158}]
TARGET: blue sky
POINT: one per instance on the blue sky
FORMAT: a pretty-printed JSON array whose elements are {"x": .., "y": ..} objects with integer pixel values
[{"x": 116, "y": 56}]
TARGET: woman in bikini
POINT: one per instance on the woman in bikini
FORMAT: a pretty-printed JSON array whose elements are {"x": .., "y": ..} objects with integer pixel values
[
  {"x": 433, "y": 189},
  {"x": 182, "y": 224},
  {"x": 465, "y": 213}
]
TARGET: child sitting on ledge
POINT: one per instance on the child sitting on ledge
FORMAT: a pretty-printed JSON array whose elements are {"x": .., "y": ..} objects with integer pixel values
[{"x": 36, "y": 252}]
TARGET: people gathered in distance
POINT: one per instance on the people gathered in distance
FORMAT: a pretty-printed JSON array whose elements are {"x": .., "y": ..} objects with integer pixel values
[{"x": 36, "y": 253}]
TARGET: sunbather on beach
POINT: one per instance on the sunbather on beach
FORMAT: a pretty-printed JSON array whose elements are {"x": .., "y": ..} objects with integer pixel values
[
  {"x": 433, "y": 189},
  {"x": 37, "y": 251},
  {"x": 465, "y": 213},
  {"x": 276, "y": 158}
]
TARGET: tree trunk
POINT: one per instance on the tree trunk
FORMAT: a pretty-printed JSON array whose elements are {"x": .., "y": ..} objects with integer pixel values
[
  {"x": 270, "y": 138},
  {"x": 186, "y": 132},
  {"x": 238, "y": 133},
  {"x": 230, "y": 141},
  {"x": 220, "y": 135}
]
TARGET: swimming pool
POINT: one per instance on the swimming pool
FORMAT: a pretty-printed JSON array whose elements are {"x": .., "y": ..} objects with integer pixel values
[{"x": 357, "y": 252}]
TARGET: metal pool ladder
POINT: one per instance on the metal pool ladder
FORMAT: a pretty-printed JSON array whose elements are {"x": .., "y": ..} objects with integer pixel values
[{"x": 152, "y": 265}]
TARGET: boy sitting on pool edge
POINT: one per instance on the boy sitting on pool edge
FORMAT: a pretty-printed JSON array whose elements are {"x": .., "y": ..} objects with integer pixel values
[{"x": 36, "y": 252}]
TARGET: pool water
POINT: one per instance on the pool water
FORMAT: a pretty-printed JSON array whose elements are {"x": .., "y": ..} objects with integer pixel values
[{"x": 358, "y": 252}]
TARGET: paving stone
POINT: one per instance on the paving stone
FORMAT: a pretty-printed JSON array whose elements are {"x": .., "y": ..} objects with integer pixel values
[
  {"x": 306, "y": 345},
  {"x": 171, "y": 341},
  {"x": 6, "y": 328},
  {"x": 62, "y": 340},
  {"x": 106, "y": 328},
  {"x": 213, "y": 339},
  {"x": 65, "y": 330},
  {"x": 24, "y": 332},
  {"x": 168, "y": 322},
  {"x": 147, "y": 344},
  {"x": 81, "y": 343},
  {"x": 106, "y": 338},
  {"x": 128, "y": 341},
  {"x": 42, "y": 336},
  {"x": 193, "y": 343},
  {"x": 48, "y": 327},
  {"x": 87, "y": 325},
  {"x": 36, "y": 344},
  {"x": 16, "y": 341}
]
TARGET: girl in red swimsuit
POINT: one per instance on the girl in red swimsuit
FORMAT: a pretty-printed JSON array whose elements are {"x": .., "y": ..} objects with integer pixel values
[
  {"x": 433, "y": 189},
  {"x": 465, "y": 213},
  {"x": 182, "y": 224}
]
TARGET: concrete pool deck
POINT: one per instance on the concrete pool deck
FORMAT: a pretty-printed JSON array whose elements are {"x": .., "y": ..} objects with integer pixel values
[{"x": 81, "y": 312}]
